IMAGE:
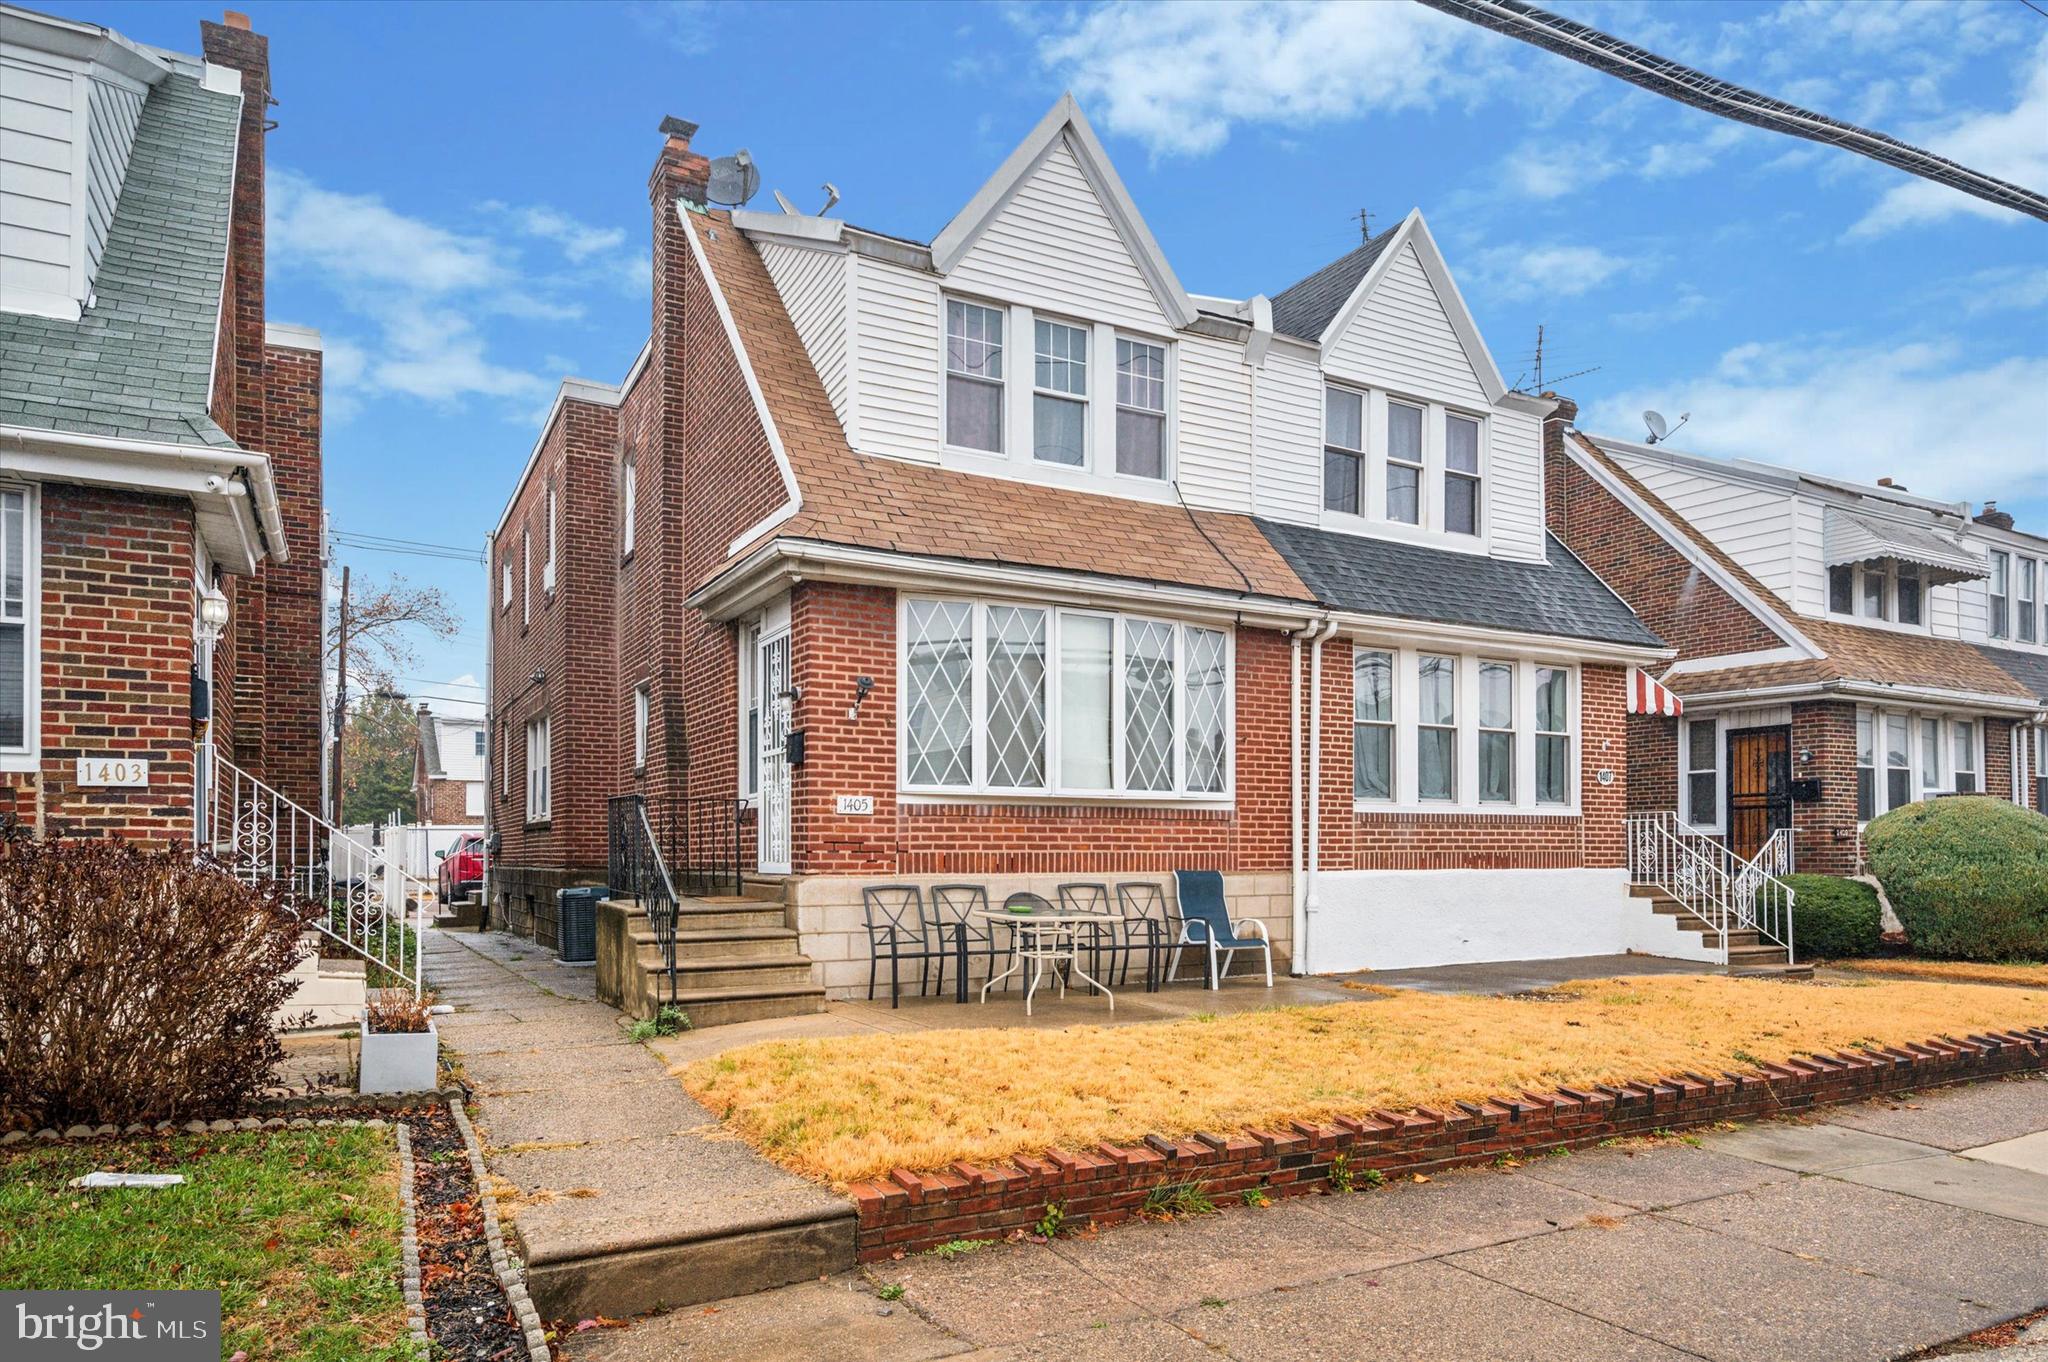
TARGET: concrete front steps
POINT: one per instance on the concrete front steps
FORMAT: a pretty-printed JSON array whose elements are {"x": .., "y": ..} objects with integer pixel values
[
  {"x": 736, "y": 960},
  {"x": 1748, "y": 951},
  {"x": 334, "y": 991},
  {"x": 465, "y": 912}
]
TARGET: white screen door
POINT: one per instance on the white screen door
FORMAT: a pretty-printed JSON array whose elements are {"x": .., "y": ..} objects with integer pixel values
[{"x": 771, "y": 676}]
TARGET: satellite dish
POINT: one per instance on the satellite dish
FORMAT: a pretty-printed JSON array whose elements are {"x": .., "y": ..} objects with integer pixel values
[
  {"x": 1660, "y": 429},
  {"x": 734, "y": 180}
]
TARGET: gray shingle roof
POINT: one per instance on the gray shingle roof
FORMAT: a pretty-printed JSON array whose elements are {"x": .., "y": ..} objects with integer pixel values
[
  {"x": 1304, "y": 309},
  {"x": 430, "y": 745},
  {"x": 2029, "y": 669},
  {"x": 136, "y": 364},
  {"x": 1561, "y": 597}
]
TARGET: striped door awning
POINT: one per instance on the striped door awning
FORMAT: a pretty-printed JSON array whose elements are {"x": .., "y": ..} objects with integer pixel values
[{"x": 1645, "y": 696}]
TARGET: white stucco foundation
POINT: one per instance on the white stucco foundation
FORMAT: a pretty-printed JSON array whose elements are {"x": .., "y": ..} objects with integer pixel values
[{"x": 1404, "y": 919}]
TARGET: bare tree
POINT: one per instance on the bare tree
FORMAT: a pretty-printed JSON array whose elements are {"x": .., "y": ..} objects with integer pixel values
[{"x": 382, "y": 618}]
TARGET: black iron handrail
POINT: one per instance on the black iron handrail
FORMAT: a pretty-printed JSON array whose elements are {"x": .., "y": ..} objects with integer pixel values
[
  {"x": 637, "y": 871},
  {"x": 703, "y": 843}
]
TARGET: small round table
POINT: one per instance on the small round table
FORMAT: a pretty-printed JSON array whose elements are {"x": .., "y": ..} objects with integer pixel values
[{"x": 1043, "y": 937}]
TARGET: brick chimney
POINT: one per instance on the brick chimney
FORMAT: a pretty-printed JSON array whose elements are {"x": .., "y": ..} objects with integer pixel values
[
  {"x": 232, "y": 43},
  {"x": 1566, "y": 414},
  {"x": 679, "y": 173},
  {"x": 1995, "y": 518}
]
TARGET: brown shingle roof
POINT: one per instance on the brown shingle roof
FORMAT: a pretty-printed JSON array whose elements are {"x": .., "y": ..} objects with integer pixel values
[
  {"x": 1853, "y": 652},
  {"x": 868, "y": 501}
]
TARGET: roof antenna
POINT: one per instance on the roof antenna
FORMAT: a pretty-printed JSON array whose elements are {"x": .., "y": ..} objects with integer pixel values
[
  {"x": 1364, "y": 225},
  {"x": 1659, "y": 428},
  {"x": 831, "y": 197}
]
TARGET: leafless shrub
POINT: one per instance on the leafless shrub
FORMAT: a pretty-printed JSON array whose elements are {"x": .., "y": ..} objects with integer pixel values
[
  {"x": 134, "y": 985},
  {"x": 395, "y": 1010}
]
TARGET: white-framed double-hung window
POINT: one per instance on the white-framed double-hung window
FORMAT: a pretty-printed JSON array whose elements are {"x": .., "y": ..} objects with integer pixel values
[
  {"x": 629, "y": 501},
  {"x": 1702, "y": 773},
  {"x": 1898, "y": 765},
  {"x": 1343, "y": 450},
  {"x": 2000, "y": 591},
  {"x": 1404, "y": 463},
  {"x": 1140, "y": 408},
  {"x": 1496, "y": 732},
  {"x": 974, "y": 376},
  {"x": 643, "y": 706},
  {"x": 1553, "y": 735},
  {"x": 1461, "y": 474},
  {"x": 19, "y": 611},
  {"x": 1930, "y": 757},
  {"x": 1004, "y": 697},
  {"x": 1436, "y": 738},
  {"x": 547, "y": 572},
  {"x": 1059, "y": 393},
  {"x": 1966, "y": 756},
  {"x": 2027, "y": 614},
  {"x": 1866, "y": 766},
  {"x": 539, "y": 759},
  {"x": 1372, "y": 729}
]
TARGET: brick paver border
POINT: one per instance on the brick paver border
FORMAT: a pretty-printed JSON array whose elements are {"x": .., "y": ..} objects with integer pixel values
[{"x": 909, "y": 1211}]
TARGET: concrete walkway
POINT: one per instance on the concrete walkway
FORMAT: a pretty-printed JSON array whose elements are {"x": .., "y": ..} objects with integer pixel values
[
  {"x": 625, "y": 1195},
  {"x": 1884, "y": 1229}
]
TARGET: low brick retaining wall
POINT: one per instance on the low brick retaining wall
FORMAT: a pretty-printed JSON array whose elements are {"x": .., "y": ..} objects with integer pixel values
[{"x": 911, "y": 1211}]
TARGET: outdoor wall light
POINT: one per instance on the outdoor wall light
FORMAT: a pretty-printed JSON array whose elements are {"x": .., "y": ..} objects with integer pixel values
[
  {"x": 861, "y": 686},
  {"x": 213, "y": 612},
  {"x": 1806, "y": 756}
]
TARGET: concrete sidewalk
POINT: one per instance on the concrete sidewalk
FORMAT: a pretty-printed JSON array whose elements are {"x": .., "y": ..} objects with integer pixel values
[
  {"x": 1883, "y": 1229},
  {"x": 625, "y": 1193}
]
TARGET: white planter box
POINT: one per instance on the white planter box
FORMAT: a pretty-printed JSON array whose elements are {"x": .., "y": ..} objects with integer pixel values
[{"x": 399, "y": 1061}]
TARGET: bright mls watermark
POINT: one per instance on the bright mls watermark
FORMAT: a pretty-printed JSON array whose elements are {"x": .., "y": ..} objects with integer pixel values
[{"x": 146, "y": 1326}]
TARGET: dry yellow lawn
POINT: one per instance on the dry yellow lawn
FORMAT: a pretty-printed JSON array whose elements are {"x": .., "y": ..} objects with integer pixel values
[
  {"x": 1960, "y": 971},
  {"x": 850, "y": 1108}
]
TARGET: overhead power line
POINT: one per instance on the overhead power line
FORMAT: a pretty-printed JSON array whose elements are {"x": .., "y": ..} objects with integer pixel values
[{"x": 1606, "y": 53}]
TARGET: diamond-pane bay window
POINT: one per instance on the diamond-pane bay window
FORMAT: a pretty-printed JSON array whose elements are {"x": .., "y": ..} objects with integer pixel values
[
  {"x": 1059, "y": 398},
  {"x": 974, "y": 376},
  {"x": 1007, "y": 698}
]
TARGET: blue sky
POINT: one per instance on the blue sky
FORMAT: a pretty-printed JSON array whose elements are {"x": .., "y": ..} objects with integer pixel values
[{"x": 458, "y": 201}]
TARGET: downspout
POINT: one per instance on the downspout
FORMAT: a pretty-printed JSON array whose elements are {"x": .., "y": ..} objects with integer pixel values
[{"x": 1305, "y": 876}]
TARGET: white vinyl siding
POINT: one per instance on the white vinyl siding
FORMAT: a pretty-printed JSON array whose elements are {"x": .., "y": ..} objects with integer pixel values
[
  {"x": 1053, "y": 246},
  {"x": 1215, "y": 425},
  {"x": 813, "y": 288},
  {"x": 898, "y": 324},
  {"x": 1402, "y": 340},
  {"x": 1287, "y": 468},
  {"x": 39, "y": 183},
  {"x": 1753, "y": 525}
]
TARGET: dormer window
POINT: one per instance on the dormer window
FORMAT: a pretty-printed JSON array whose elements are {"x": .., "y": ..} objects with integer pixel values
[
  {"x": 2027, "y": 613},
  {"x": 1140, "y": 409},
  {"x": 974, "y": 376},
  {"x": 1881, "y": 590},
  {"x": 1461, "y": 474},
  {"x": 1906, "y": 585},
  {"x": 1059, "y": 394},
  {"x": 2001, "y": 594},
  {"x": 1404, "y": 463},
  {"x": 1343, "y": 449}
]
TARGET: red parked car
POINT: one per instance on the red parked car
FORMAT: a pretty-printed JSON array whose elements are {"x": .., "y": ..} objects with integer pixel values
[{"x": 462, "y": 867}]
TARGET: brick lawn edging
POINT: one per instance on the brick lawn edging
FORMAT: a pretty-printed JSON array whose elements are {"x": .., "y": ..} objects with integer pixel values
[{"x": 910, "y": 1211}]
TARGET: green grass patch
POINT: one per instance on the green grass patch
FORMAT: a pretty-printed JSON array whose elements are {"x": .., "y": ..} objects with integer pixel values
[{"x": 297, "y": 1229}]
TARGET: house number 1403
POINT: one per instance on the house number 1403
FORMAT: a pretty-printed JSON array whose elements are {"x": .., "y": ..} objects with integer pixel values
[{"x": 113, "y": 771}]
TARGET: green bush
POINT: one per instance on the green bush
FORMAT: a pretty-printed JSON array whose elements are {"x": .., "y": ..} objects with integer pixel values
[
  {"x": 1967, "y": 877},
  {"x": 1834, "y": 919}
]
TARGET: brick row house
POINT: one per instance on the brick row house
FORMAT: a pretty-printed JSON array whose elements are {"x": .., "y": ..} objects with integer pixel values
[
  {"x": 160, "y": 442},
  {"x": 448, "y": 769},
  {"x": 1843, "y": 649},
  {"x": 1003, "y": 558}
]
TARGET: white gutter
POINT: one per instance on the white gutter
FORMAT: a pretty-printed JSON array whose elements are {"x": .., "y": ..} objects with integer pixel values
[
  {"x": 1298, "y": 901},
  {"x": 1867, "y": 690},
  {"x": 195, "y": 471},
  {"x": 1306, "y": 895}
]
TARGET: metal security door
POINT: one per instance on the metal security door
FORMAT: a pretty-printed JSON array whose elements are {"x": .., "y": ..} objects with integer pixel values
[
  {"x": 772, "y": 703},
  {"x": 1759, "y": 787}
]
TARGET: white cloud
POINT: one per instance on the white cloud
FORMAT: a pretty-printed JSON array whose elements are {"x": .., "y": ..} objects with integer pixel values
[
  {"x": 356, "y": 237},
  {"x": 1691, "y": 155},
  {"x": 1911, "y": 412},
  {"x": 1178, "y": 75},
  {"x": 463, "y": 685},
  {"x": 579, "y": 240},
  {"x": 1554, "y": 270},
  {"x": 2011, "y": 145},
  {"x": 688, "y": 26}
]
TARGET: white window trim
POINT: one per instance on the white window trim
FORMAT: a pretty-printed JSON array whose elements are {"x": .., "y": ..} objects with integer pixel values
[
  {"x": 1686, "y": 771},
  {"x": 1990, "y": 618},
  {"x": 1372, "y": 519},
  {"x": 1392, "y": 723},
  {"x": 1918, "y": 785},
  {"x": 539, "y": 770},
  {"x": 643, "y": 709},
  {"x": 525, "y": 577},
  {"x": 747, "y": 781},
  {"x": 1169, "y": 423},
  {"x": 28, "y": 756},
  {"x": 2027, "y": 608},
  {"x": 1363, "y": 453},
  {"x": 1053, "y": 791},
  {"x": 547, "y": 574},
  {"x": 629, "y": 498},
  {"x": 1090, "y": 454},
  {"x": 1859, "y": 575},
  {"x": 504, "y": 563},
  {"x": 1513, "y": 729},
  {"x": 1097, "y": 472},
  {"x": 1407, "y": 728}
]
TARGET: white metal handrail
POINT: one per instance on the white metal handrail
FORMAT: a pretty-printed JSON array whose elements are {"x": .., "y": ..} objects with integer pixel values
[
  {"x": 1709, "y": 881},
  {"x": 262, "y": 837}
]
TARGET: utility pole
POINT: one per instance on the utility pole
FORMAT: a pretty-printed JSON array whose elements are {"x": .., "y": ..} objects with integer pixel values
[{"x": 340, "y": 691}]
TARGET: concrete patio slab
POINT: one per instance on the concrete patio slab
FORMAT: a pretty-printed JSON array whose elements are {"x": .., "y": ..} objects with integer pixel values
[
  {"x": 2028, "y": 1153},
  {"x": 1229, "y": 1255},
  {"x": 1649, "y": 1176},
  {"x": 1723, "y": 1297},
  {"x": 1994, "y": 1262},
  {"x": 1138, "y": 1340},
  {"x": 1523, "y": 976},
  {"x": 836, "y": 1321},
  {"x": 1955, "y": 1118},
  {"x": 1954, "y": 1181},
  {"x": 655, "y": 1106},
  {"x": 1812, "y": 1148},
  {"x": 1009, "y": 1293},
  {"x": 1464, "y": 1209},
  {"x": 1415, "y": 1312}
]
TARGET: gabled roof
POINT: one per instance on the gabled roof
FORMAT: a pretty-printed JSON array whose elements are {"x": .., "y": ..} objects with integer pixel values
[
  {"x": 1304, "y": 308},
  {"x": 1560, "y": 597},
  {"x": 1065, "y": 119},
  {"x": 2029, "y": 669},
  {"x": 1369, "y": 264},
  {"x": 138, "y": 364},
  {"x": 456, "y": 759}
]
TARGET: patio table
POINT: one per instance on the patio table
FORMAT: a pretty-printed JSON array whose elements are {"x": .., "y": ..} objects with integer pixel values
[{"x": 1055, "y": 937}]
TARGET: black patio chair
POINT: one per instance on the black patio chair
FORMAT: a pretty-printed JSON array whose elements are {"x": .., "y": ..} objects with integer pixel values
[
  {"x": 1100, "y": 937},
  {"x": 1145, "y": 912},
  {"x": 897, "y": 929},
  {"x": 952, "y": 907}
]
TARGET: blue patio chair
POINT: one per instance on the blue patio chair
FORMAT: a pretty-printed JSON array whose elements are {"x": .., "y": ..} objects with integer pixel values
[{"x": 1205, "y": 923}]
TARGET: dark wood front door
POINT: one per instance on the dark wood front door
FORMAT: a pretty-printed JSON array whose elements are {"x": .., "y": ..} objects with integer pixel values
[{"x": 1759, "y": 787}]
